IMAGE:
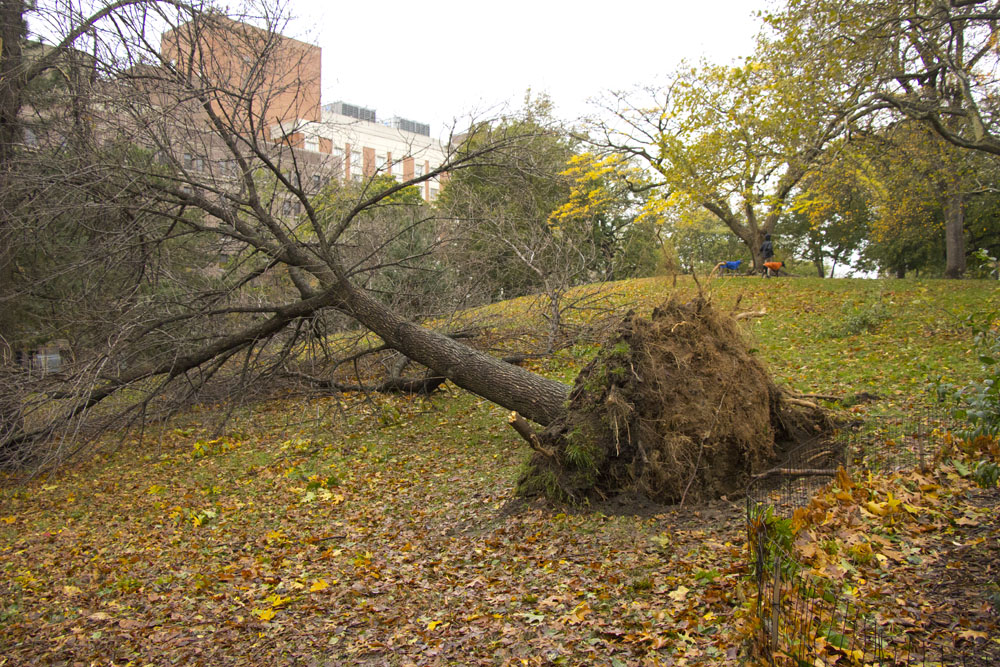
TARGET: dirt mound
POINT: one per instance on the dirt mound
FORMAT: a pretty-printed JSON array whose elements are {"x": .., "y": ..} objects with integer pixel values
[{"x": 674, "y": 408}]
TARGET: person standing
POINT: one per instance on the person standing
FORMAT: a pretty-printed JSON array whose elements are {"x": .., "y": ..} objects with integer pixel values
[{"x": 767, "y": 252}]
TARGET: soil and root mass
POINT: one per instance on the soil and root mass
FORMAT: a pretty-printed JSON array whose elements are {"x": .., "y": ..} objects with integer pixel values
[{"x": 675, "y": 409}]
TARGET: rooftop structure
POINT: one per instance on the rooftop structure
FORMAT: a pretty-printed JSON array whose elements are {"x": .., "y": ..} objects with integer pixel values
[{"x": 286, "y": 94}]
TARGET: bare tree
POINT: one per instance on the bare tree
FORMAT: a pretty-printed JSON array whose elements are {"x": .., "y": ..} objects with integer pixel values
[{"x": 184, "y": 165}]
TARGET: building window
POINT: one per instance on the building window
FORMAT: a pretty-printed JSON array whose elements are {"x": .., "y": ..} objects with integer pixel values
[
  {"x": 317, "y": 181},
  {"x": 356, "y": 165},
  {"x": 312, "y": 143},
  {"x": 418, "y": 170},
  {"x": 291, "y": 207},
  {"x": 193, "y": 163},
  {"x": 338, "y": 161}
]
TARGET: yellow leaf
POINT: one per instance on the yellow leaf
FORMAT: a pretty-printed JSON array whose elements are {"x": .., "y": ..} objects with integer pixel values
[
  {"x": 433, "y": 624},
  {"x": 71, "y": 590},
  {"x": 578, "y": 614},
  {"x": 264, "y": 614},
  {"x": 892, "y": 503},
  {"x": 680, "y": 594},
  {"x": 318, "y": 585},
  {"x": 277, "y": 600},
  {"x": 8, "y": 519},
  {"x": 875, "y": 508}
]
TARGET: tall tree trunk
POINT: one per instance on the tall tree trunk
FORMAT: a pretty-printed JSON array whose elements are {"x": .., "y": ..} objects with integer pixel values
[
  {"x": 816, "y": 250},
  {"x": 954, "y": 236},
  {"x": 12, "y": 33}
]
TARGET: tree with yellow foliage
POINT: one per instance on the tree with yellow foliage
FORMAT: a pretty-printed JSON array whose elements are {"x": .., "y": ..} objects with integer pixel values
[{"x": 735, "y": 140}]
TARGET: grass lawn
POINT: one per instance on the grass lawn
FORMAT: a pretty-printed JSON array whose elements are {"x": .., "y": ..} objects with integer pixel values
[{"x": 376, "y": 530}]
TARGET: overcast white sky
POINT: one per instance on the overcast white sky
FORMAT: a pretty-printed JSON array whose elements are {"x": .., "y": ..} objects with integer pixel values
[{"x": 434, "y": 61}]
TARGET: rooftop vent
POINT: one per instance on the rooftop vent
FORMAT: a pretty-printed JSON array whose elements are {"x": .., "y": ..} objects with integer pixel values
[
  {"x": 345, "y": 109},
  {"x": 411, "y": 126}
]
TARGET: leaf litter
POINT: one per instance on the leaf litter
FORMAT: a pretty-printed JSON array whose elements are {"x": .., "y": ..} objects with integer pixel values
[{"x": 324, "y": 542}]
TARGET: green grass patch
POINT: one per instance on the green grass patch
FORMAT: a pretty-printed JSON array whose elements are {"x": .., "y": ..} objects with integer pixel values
[{"x": 358, "y": 528}]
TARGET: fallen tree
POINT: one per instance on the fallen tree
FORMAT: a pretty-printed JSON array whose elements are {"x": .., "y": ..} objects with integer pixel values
[{"x": 183, "y": 166}]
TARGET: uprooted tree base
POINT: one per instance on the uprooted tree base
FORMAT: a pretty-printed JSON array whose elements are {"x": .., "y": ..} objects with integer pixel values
[{"x": 675, "y": 409}]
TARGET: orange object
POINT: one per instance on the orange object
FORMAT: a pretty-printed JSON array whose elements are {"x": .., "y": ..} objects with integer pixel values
[{"x": 774, "y": 266}]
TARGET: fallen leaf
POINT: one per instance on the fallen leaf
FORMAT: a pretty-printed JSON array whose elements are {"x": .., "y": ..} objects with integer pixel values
[
  {"x": 265, "y": 614},
  {"x": 680, "y": 594}
]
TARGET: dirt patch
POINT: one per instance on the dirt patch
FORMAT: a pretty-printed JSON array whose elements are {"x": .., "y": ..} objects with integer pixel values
[{"x": 675, "y": 410}]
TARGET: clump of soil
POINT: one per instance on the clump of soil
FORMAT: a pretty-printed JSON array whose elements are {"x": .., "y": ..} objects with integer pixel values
[{"x": 675, "y": 408}]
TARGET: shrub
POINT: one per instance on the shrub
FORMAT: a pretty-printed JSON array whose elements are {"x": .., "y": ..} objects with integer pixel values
[
  {"x": 866, "y": 318},
  {"x": 977, "y": 404}
]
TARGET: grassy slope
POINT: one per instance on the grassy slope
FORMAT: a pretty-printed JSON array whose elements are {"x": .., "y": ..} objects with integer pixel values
[{"x": 341, "y": 531}]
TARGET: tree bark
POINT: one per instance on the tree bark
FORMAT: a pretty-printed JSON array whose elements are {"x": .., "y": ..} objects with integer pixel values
[
  {"x": 12, "y": 33},
  {"x": 537, "y": 398},
  {"x": 954, "y": 236}
]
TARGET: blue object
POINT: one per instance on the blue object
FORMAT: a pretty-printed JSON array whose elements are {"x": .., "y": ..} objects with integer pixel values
[{"x": 732, "y": 266}]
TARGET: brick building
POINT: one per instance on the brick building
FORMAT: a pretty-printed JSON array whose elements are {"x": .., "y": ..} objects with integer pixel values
[{"x": 348, "y": 140}]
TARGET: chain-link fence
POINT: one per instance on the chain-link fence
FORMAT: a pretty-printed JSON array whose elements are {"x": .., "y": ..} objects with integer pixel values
[{"x": 807, "y": 620}]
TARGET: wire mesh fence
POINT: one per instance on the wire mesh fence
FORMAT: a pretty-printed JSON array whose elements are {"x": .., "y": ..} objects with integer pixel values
[{"x": 803, "y": 619}]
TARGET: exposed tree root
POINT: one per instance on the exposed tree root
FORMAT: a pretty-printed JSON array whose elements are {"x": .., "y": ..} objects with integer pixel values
[{"x": 675, "y": 408}]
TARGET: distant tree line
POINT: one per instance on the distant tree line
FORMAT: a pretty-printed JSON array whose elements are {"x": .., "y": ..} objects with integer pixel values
[{"x": 860, "y": 134}]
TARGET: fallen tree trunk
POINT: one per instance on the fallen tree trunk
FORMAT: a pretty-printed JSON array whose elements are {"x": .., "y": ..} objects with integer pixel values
[{"x": 535, "y": 397}]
